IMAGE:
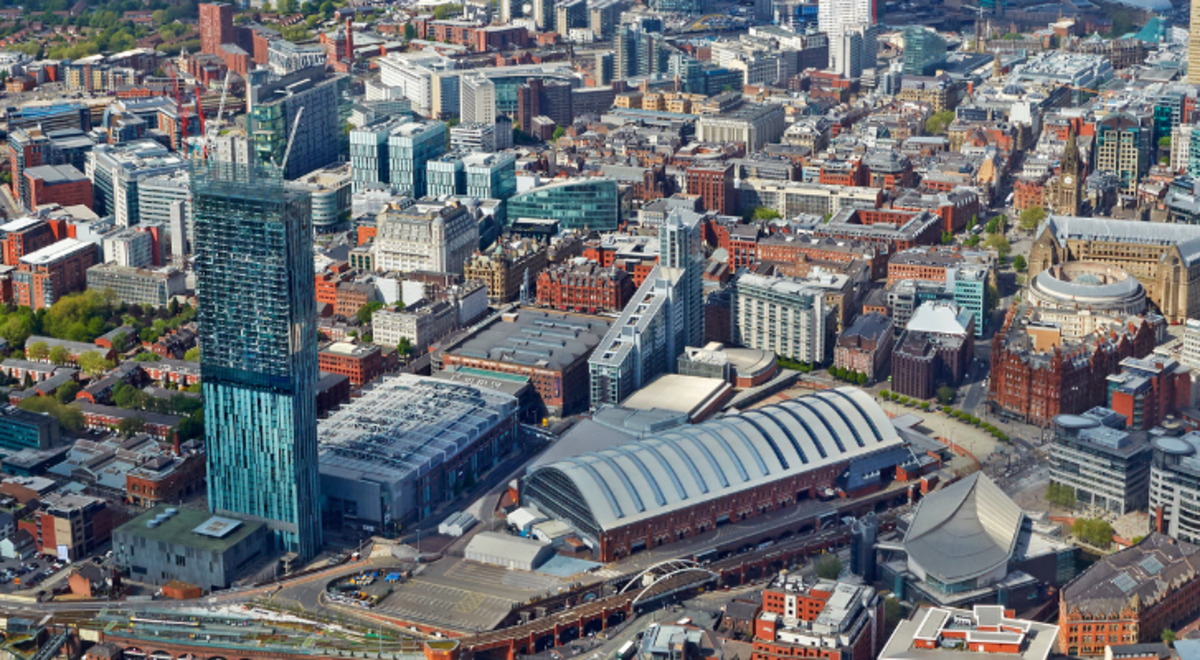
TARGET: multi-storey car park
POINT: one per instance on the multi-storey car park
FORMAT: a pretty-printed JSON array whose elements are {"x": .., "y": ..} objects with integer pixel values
[{"x": 680, "y": 482}]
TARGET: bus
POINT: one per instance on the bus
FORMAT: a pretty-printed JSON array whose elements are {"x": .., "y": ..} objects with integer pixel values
[{"x": 626, "y": 650}]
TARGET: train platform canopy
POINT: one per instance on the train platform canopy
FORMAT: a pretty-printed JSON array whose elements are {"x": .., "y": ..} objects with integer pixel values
[{"x": 688, "y": 465}]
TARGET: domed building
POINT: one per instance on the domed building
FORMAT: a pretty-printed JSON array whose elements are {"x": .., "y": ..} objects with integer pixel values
[{"x": 1091, "y": 286}]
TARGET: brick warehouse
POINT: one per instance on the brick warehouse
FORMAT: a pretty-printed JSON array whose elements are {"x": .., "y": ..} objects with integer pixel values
[
  {"x": 1035, "y": 375},
  {"x": 671, "y": 485}
]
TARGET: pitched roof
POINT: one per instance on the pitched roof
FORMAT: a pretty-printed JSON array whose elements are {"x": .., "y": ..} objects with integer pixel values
[{"x": 1146, "y": 571}]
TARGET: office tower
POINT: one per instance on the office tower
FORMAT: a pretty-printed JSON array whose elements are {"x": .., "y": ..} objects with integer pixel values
[
  {"x": 477, "y": 100},
  {"x": 639, "y": 53},
  {"x": 836, "y": 18},
  {"x": 117, "y": 171},
  {"x": 274, "y": 107},
  {"x": 157, "y": 197},
  {"x": 445, "y": 175},
  {"x": 216, "y": 26},
  {"x": 491, "y": 176},
  {"x": 544, "y": 97},
  {"x": 32, "y": 146},
  {"x": 509, "y": 10},
  {"x": 543, "y": 15},
  {"x": 411, "y": 144},
  {"x": 605, "y": 65},
  {"x": 570, "y": 14},
  {"x": 924, "y": 50},
  {"x": 764, "y": 11},
  {"x": 604, "y": 16},
  {"x": 1123, "y": 146},
  {"x": 257, "y": 315},
  {"x": 369, "y": 153}
]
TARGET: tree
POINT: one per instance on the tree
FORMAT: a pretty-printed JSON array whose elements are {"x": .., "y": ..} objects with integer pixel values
[
  {"x": 829, "y": 567},
  {"x": 193, "y": 354},
  {"x": 442, "y": 12},
  {"x": 947, "y": 238},
  {"x": 1019, "y": 263},
  {"x": 945, "y": 395},
  {"x": 38, "y": 351},
  {"x": 120, "y": 342},
  {"x": 764, "y": 213},
  {"x": 146, "y": 357},
  {"x": 59, "y": 355},
  {"x": 1168, "y": 635},
  {"x": 67, "y": 391},
  {"x": 939, "y": 122},
  {"x": 558, "y": 132},
  {"x": 69, "y": 417},
  {"x": 972, "y": 241},
  {"x": 410, "y": 32},
  {"x": 1031, "y": 217},
  {"x": 365, "y": 312},
  {"x": 131, "y": 426},
  {"x": 1094, "y": 532},
  {"x": 893, "y": 611},
  {"x": 91, "y": 362},
  {"x": 998, "y": 243},
  {"x": 993, "y": 226},
  {"x": 405, "y": 347},
  {"x": 861, "y": 379}
]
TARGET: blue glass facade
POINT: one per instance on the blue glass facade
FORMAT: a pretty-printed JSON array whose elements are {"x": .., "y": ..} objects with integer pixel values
[
  {"x": 257, "y": 315},
  {"x": 587, "y": 203}
]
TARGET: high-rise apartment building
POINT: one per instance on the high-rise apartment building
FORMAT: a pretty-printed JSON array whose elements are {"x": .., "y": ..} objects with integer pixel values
[
  {"x": 781, "y": 315},
  {"x": 543, "y": 15},
  {"x": 1193, "y": 54},
  {"x": 395, "y": 151},
  {"x": 665, "y": 316},
  {"x": 257, "y": 315},
  {"x": 491, "y": 176},
  {"x": 216, "y": 26},
  {"x": 273, "y": 110}
]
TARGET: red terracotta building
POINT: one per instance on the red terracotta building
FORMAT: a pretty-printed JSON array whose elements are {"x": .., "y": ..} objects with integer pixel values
[
  {"x": 1146, "y": 390},
  {"x": 216, "y": 26},
  {"x": 1037, "y": 375},
  {"x": 52, "y": 272},
  {"x": 584, "y": 287}
]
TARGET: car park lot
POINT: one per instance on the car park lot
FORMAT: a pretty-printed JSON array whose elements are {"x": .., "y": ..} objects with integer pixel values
[{"x": 16, "y": 574}]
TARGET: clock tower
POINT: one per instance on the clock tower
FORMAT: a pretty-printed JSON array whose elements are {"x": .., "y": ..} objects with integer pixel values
[{"x": 1066, "y": 189}]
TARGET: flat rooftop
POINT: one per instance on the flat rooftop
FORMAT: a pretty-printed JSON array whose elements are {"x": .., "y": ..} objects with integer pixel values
[
  {"x": 535, "y": 338},
  {"x": 181, "y": 529}
]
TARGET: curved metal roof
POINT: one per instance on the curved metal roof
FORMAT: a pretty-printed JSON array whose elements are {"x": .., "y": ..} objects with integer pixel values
[
  {"x": 1080, "y": 288},
  {"x": 686, "y": 465},
  {"x": 964, "y": 530}
]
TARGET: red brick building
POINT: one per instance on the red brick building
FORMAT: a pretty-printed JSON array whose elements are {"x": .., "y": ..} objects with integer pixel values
[
  {"x": 360, "y": 363},
  {"x": 23, "y": 236},
  {"x": 852, "y": 624},
  {"x": 714, "y": 185},
  {"x": 584, "y": 287},
  {"x": 216, "y": 26},
  {"x": 1028, "y": 193},
  {"x": 80, "y": 523},
  {"x": 1145, "y": 391},
  {"x": 165, "y": 479},
  {"x": 1036, "y": 375},
  {"x": 1159, "y": 590},
  {"x": 52, "y": 272},
  {"x": 58, "y": 184},
  {"x": 956, "y": 208},
  {"x": 844, "y": 173}
]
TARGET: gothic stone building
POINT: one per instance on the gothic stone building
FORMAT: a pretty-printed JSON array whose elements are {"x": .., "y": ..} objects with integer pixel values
[{"x": 1165, "y": 258}]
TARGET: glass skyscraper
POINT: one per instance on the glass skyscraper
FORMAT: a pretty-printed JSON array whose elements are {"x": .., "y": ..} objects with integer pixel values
[
  {"x": 257, "y": 314},
  {"x": 589, "y": 203}
]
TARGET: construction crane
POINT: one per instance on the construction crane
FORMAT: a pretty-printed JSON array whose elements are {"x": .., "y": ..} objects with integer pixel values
[
  {"x": 214, "y": 126},
  {"x": 180, "y": 108},
  {"x": 291, "y": 137}
]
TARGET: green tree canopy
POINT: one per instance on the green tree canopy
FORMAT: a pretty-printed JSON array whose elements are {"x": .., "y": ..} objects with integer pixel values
[
  {"x": 998, "y": 243},
  {"x": 131, "y": 426},
  {"x": 938, "y": 122},
  {"x": 94, "y": 364},
  {"x": 945, "y": 395},
  {"x": 37, "y": 351},
  {"x": 1031, "y": 217},
  {"x": 405, "y": 347},
  {"x": 193, "y": 354},
  {"x": 764, "y": 213},
  {"x": 67, "y": 391},
  {"x": 829, "y": 567},
  {"x": 1093, "y": 531},
  {"x": 69, "y": 417},
  {"x": 1019, "y": 263},
  {"x": 366, "y": 311},
  {"x": 59, "y": 355}
]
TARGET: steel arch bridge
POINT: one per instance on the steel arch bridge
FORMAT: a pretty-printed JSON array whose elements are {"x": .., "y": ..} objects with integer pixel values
[{"x": 667, "y": 574}]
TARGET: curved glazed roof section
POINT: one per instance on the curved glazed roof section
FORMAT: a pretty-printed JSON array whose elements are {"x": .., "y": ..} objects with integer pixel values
[{"x": 688, "y": 465}]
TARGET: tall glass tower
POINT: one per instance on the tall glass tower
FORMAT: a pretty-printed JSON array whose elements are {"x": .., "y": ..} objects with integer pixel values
[{"x": 258, "y": 338}]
